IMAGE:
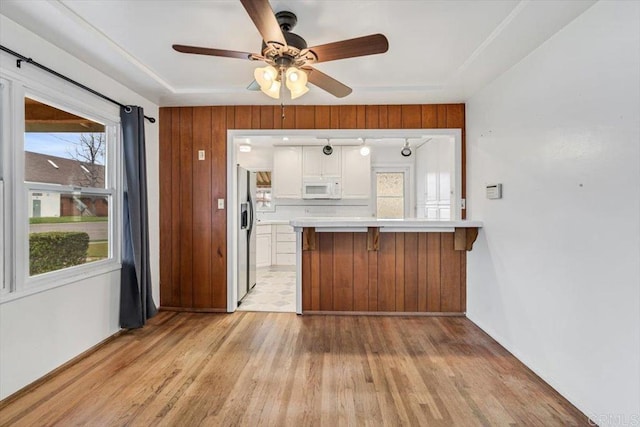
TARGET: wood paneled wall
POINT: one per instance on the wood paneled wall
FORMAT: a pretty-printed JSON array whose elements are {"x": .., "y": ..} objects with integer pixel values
[
  {"x": 193, "y": 231},
  {"x": 411, "y": 272}
]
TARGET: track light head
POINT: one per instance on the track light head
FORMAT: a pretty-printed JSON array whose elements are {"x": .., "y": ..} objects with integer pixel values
[{"x": 406, "y": 150}]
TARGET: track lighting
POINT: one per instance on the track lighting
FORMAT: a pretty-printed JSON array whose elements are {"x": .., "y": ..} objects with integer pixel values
[
  {"x": 364, "y": 150},
  {"x": 406, "y": 150},
  {"x": 327, "y": 149}
]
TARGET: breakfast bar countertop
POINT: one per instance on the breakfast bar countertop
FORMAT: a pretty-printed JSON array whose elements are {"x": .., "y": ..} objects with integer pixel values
[{"x": 392, "y": 225}]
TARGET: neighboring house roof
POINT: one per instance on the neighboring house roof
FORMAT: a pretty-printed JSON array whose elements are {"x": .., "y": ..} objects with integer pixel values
[{"x": 58, "y": 170}]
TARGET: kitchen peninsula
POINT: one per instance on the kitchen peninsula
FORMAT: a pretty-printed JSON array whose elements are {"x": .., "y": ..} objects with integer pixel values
[{"x": 368, "y": 265}]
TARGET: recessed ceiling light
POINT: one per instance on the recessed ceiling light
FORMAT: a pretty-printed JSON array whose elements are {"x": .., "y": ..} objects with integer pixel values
[
  {"x": 364, "y": 151},
  {"x": 284, "y": 138}
]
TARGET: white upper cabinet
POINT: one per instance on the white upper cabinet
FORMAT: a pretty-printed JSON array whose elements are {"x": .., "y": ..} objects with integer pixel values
[
  {"x": 356, "y": 174},
  {"x": 316, "y": 164},
  {"x": 287, "y": 172}
]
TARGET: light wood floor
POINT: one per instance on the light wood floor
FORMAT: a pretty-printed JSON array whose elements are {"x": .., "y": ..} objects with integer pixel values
[{"x": 280, "y": 369}]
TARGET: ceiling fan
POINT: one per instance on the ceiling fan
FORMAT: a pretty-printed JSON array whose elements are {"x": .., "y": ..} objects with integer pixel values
[{"x": 287, "y": 56}]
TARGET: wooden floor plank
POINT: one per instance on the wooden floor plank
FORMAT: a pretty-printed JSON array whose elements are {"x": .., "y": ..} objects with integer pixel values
[{"x": 283, "y": 369}]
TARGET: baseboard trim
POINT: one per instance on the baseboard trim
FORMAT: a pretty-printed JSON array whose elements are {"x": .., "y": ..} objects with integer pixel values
[
  {"x": 35, "y": 384},
  {"x": 193, "y": 310},
  {"x": 385, "y": 313}
]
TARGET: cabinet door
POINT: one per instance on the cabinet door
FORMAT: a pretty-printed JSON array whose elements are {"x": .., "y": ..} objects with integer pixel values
[
  {"x": 312, "y": 162},
  {"x": 287, "y": 172},
  {"x": 263, "y": 250},
  {"x": 331, "y": 165},
  {"x": 316, "y": 164},
  {"x": 356, "y": 174}
]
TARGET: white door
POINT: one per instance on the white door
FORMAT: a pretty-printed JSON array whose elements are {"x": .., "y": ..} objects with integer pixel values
[
  {"x": 391, "y": 186},
  {"x": 435, "y": 184}
]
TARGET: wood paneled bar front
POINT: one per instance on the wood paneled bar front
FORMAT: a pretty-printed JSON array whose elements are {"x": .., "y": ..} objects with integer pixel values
[{"x": 383, "y": 266}]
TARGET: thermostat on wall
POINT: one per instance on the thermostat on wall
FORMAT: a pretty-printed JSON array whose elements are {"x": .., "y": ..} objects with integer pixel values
[{"x": 494, "y": 191}]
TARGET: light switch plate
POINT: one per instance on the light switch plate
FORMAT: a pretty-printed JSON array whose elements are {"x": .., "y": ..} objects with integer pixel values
[
  {"x": 200, "y": 154},
  {"x": 220, "y": 203}
]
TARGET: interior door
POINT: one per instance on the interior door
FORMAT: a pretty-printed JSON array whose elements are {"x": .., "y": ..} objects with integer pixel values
[{"x": 435, "y": 179}]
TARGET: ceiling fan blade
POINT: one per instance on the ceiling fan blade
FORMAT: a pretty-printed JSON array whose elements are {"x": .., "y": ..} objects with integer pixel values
[
  {"x": 327, "y": 83},
  {"x": 360, "y": 46},
  {"x": 264, "y": 19},
  {"x": 253, "y": 86},
  {"x": 212, "y": 52}
]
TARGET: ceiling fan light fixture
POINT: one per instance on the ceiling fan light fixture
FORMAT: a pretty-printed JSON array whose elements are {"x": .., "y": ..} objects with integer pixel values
[
  {"x": 298, "y": 93},
  {"x": 266, "y": 77},
  {"x": 296, "y": 82}
]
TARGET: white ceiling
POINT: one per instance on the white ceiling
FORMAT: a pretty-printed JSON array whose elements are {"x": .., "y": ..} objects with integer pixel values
[{"x": 439, "y": 51}]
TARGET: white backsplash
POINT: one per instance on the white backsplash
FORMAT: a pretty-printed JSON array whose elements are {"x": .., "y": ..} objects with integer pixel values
[{"x": 287, "y": 212}]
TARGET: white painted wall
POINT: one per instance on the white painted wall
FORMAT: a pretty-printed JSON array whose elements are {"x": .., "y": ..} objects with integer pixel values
[
  {"x": 42, "y": 331},
  {"x": 49, "y": 203},
  {"x": 555, "y": 274}
]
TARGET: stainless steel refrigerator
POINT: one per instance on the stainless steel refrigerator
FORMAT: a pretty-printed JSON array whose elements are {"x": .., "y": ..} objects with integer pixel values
[{"x": 247, "y": 232}]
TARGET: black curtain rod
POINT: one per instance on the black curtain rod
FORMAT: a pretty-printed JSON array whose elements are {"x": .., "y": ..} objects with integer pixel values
[{"x": 63, "y": 77}]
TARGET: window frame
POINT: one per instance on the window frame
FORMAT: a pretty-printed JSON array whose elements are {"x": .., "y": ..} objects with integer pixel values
[{"x": 41, "y": 87}]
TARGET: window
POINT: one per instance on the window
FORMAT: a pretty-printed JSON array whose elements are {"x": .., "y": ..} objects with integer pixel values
[
  {"x": 264, "y": 201},
  {"x": 65, "y": 164},
  {"x": 5, "y": 258},
  {"x": 390, "y": 189},
  {"x": 60, "y": 185}
]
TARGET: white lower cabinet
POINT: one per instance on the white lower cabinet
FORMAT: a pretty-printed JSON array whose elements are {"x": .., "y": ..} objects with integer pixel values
[
  {"x": 285, "y": 245},
  {"x": 263, "y": 245}
]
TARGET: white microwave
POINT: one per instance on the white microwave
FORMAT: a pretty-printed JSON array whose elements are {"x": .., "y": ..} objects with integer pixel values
[{"x": 326, "y": 188}]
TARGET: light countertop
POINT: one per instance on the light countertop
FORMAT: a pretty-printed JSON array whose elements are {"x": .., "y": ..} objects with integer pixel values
[
  {"x": 273, "y": 222},
  {"x": 357, "y": 224}
]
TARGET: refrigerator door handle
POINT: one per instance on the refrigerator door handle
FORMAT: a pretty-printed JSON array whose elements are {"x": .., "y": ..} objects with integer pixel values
[
  {"x": 244, "y": 220},
  {"x": 251, "y": 216}
]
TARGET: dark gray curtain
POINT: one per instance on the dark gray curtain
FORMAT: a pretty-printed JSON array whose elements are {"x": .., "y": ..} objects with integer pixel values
[{"x": 136, "y": 302}]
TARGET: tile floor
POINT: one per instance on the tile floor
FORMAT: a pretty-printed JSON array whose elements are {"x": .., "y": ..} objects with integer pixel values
[{"x": 275, "y": 290}]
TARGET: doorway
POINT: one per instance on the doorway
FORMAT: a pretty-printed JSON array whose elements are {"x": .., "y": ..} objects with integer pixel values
[{"x": 391, "y": 140}]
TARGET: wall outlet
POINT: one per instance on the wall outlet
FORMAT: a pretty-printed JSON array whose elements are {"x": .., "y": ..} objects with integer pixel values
[
  {"x": 220, "y": 203},
  {"x": 200, "y": 154}
]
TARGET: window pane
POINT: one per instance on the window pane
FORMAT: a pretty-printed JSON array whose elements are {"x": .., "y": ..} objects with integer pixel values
[
  {"x": 390, "y": 207},
  {"x": 390, "y": 195},
  {"x": 390, "y": 184},
  {"x": 63, "y": 148},
  {"x": 79, "y": 234}
]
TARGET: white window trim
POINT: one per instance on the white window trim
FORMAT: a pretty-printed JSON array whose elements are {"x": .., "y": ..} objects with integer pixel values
[{"x": 38, "y": 85}]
